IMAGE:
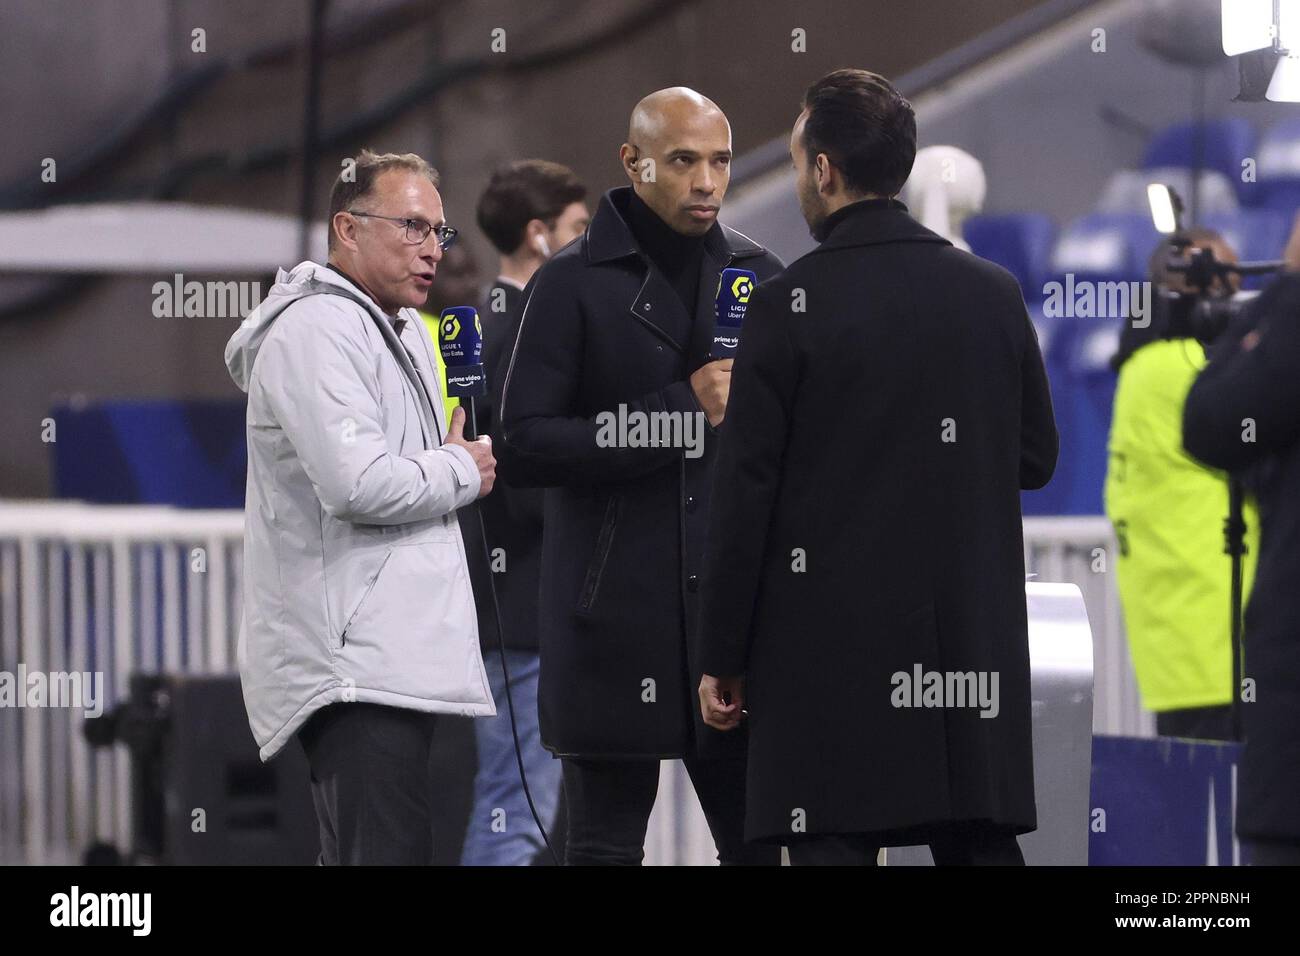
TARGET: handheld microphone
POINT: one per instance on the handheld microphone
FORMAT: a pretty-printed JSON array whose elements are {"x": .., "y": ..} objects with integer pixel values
[
  {"x": 460, "y": 340},
  {"x": 734, "y": 289}
]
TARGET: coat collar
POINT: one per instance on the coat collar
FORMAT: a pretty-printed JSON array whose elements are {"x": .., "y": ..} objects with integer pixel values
[
  {"x": 609, "y": 237},
  {"x": 871, "y": 222},
  {"x": 421, "y": 375}
]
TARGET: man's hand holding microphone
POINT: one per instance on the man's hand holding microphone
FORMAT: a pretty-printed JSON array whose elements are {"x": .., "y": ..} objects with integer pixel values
[{"x": 480, "y": 449}]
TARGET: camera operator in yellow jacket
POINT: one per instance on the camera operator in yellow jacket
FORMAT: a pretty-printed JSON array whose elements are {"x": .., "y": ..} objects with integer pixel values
[{"x": 1168, "y": 512}]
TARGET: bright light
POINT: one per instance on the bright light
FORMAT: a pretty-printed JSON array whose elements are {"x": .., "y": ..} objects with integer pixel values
[
  {"x": 1248, "y": 24},
  {"x": 1162, "y": 208},
  {"x": 1289, "y": 24},
  {"x": 1285, "y": 86}
]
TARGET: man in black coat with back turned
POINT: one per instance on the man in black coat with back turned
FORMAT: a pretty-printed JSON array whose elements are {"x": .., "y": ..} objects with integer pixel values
[
  {"x": 616, "y": 330},
  {"x": 864, "y": 607}
]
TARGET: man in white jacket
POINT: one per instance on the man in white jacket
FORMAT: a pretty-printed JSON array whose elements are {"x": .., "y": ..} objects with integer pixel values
[{"x": 359, "y": 620}]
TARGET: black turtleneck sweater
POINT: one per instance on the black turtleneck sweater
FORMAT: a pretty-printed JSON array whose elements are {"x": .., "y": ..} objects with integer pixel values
[{"x": 676, "y": 255}]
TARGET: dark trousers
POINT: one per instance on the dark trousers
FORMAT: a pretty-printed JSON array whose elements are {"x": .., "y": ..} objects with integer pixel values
[
  {"x": 1274, "y": 853},
  {"x": 1196, "y": 723},
  {"x": 370, "y": 783},
  {"x": 609, "y": 804},
  {"x": 957, "y": 844}
]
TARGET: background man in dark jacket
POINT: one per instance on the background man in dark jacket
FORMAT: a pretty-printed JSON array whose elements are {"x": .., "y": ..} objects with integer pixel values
[
  {"x": 888, "y": 404},
  {"x": 1244, "y": 411},
  {"x": 620, "y": 324},
  {"x": 530, "y": 209}
]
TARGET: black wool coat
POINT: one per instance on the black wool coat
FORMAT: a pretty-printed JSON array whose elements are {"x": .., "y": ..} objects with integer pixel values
[
  {"x": 623, "y": 528},
  {"x": 1243, "y": 412},
  {"x": 888, "y": 404}
]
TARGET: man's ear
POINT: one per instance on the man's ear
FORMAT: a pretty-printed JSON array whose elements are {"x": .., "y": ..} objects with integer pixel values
[
  {"x": 630, "y": 157},
  {"x": 345, "y": 230},
  {"x": 825, "y": 175}
]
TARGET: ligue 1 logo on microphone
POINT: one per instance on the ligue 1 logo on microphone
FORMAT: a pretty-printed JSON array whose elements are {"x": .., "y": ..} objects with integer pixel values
[
  {"x": 734, "y": 289},
  {"x": 741, "y": 287},
  {"x": 451, "y": 325}
]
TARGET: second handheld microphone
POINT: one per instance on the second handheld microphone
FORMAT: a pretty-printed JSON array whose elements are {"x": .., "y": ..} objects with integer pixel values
[{"x": 734, "y": 288}]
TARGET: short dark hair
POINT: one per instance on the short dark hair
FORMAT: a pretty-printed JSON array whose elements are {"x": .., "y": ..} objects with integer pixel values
[
  {"x": 522, "y": 191},
  {"x": 357, "y": 179},
  {"x": 864, "y": 126}
]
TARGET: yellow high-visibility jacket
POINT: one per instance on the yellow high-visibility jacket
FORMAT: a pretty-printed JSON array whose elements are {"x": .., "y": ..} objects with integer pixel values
[{"x": 1168, "y": 511}]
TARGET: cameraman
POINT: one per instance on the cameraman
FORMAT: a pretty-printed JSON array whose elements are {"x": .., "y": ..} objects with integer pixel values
[
  {"x": 1244, "y": 410},
  {"x": 1168, "y": 512}
]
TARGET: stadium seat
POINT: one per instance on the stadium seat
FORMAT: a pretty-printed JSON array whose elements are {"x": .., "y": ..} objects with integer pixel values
[
  {"x": 1278, "y": 186},
  {"x": 1019, "y": 242},
  {"x": 1105, "y": 247},
  {"x": 1226, "y": 143}
]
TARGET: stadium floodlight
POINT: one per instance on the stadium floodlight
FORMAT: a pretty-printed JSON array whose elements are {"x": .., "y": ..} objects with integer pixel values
[
  {"x": 1247, "y": 25},
  {"x": 1274, "y": 25},
  {"x": 1285, "y": 85}
]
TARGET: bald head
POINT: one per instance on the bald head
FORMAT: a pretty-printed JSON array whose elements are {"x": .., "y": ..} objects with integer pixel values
[
  {"x": 678, "y": 157},
  {"x": 664, "y": 111}
]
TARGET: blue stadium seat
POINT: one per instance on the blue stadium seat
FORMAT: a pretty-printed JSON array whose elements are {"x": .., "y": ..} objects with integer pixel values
[
  {"x": 1051, "y": 500},
  {"x": 1106, "y": 247},
  {"x": 1019, "y": 242},
  {"x": 1278, "y": 187},
  {"x": 1255, "y": 233},
  {"x": 1226, "y": 144},
  {"x": 1083, "y": 395}
]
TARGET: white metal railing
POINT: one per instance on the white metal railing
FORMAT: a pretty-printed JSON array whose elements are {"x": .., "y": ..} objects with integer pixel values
[
  {"x": 110, "y": 591},
  {"x": 120, "y": 590}
]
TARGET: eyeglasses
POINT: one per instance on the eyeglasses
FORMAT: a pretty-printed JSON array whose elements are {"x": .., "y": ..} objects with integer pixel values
[{"x": 417, "y": 230}]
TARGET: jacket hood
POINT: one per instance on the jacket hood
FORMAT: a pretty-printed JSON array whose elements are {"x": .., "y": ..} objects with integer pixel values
[{"x": 305, "y": 279}]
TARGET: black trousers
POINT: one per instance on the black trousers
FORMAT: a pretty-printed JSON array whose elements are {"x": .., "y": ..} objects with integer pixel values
[
  {"x": 956, "y": 844},
  {"x": 1274, "y": 853},
  {"x": 609, "y": 804},
  {"x": 370, "y": 783},
  {"x": 1196, "y": 723}
]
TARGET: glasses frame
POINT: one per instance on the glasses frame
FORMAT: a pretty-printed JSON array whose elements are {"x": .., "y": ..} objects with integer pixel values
[{"x": 446, "y": 235}]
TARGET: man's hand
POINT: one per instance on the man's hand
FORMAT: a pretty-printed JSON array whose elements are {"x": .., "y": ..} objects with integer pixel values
[
  {"x": 711, "y": 383},
  {"x": 480, "y": 450},
  {"x": 722, "y": 701}
]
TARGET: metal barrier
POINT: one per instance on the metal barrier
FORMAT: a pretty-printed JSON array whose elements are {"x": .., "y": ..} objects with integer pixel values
[
  {"x": 99, "y": 591},
  {"x": 88, "y": 589}
]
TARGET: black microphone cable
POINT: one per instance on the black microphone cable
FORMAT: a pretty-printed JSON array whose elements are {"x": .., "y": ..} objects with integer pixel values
[
  {"x": 510, "y": 697},
  {"x": 451, "y": 329}
]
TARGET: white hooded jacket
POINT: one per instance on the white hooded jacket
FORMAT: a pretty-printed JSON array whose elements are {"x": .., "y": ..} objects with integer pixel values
[{"x": 355, "y": 581}]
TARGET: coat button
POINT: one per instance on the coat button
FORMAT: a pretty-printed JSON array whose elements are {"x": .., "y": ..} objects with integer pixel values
[
  {"x": 646, "y": 306},
  {"x": 690, "y": 503},
  {"x": 693, "y": 583}
]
